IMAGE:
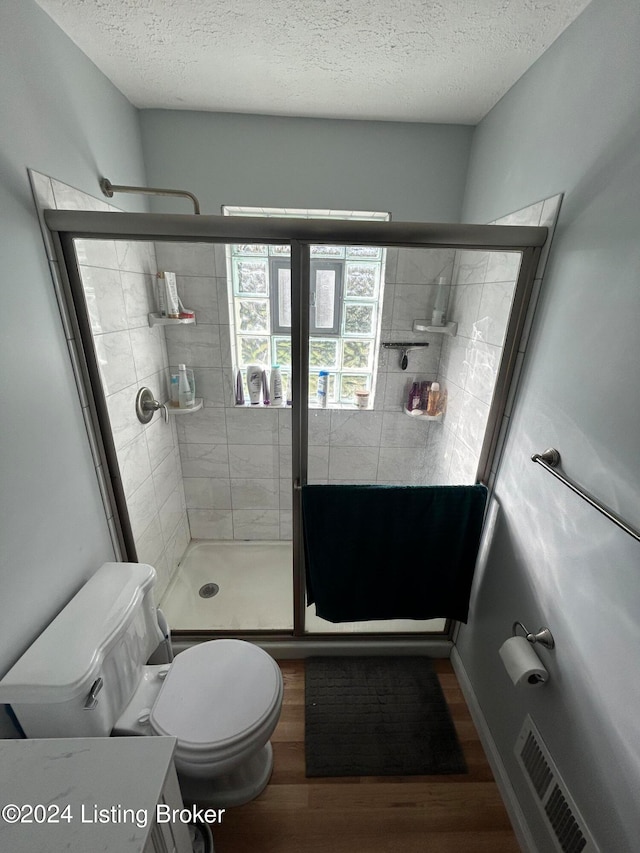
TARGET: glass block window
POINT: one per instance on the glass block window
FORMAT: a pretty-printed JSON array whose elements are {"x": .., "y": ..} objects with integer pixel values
[{"x": 346, "y": 289}]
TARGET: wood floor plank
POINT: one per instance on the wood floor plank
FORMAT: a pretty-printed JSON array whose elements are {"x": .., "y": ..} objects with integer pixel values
[{"x": 410, "y": 814}]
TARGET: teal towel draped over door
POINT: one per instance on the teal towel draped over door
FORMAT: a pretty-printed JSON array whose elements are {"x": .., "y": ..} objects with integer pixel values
[{"x": 391, "y": 552}]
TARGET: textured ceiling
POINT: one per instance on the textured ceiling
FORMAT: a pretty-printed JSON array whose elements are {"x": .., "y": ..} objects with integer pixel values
[{"x": 393, "y": 60}]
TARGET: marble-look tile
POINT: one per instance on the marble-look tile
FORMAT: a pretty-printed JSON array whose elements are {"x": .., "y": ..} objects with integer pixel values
[
  {"x": 404, "y": 466},
  {"x": 208, "y": 426},
  {"x": 470, "y": 266},
  {"x": 136, "y": 256},
  {"x": 286, "y": 525},
  {"x": 115, "y": 361},
  {"x": 284, "y": 425},
  {"x": 441, "y": 443},
  {"x": 286, "y": 460},
  {"x": 150, "y": 545},
  {"x": 125, "y": 426},
  {"x": 390, "y": 264},
  {"x": 256, "y": 524},
  {"x": 226, "y": 355},
  {"x": 142, "y": 508},
  {"x": 494, "y": 311},
  {"x": 139, "y": 298},
  {"x": 455, "y": 399},
  {"x": 411, "y": 302},
  {"x": 400, "y": 430},
  {"x": 205, "y": 460},
  {"x": 225, "y": 302},
  {"x": 286, "y": 494},
  {"x": 513, "y": 387},
  {"x": 146, "y": 343},
  {"x": 357, "y": 463},
  {"x": 97, "y": 253},
  {"x": 211, "y": 523},
  {"x": 207, "y": 493},
  {"x": 105, "y": 299},
  {"x": 318, "y": 463},
  {"x": 70, "y": 198},
  {"x": 319, "y": 426},
  {"x": 177, "y": 545},
  {"x": 194, "y": 345},
  {"x": 503, "y": 266},
  {"x": 396, "y": 392},
  {"x": 200, "y": 294},
  {"x": 422, "y": 266},
  {"x": 160, "y": 440},
  {"x": 255, "y": 494},
  {"x": 186, "y": 258},
  {"x": 134, "y": 464},
  {"x": 454, "y": 364},
  {"x": 248, "y": 425},
  {"x": 529, "y": 215},
  {"x": 220, "y": 256},
  {"x": 172, "y": 511},
  {"x": 463, "y": 308},
  {"x": 355, "y": 428},
  {"x": 210, "y": 385},
  {"x": 166, "y": 476},
  {"x": 464, "y": 465},
  {"x": 473, "y": 422},
  {"x": 387, "y": 306},
  {"x": 484, "y": 363},
  {"x": 260, "y": 461},
  {"x": 45, "y": 200}
]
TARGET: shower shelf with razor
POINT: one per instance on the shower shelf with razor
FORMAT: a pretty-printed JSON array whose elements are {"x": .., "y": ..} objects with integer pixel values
[
  {"x": 157, "y": 319},
  {"x": 170, "y": 311}
]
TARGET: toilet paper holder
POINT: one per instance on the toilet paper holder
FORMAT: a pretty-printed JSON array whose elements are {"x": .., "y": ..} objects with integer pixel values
[{"x": 543, "y": 636}]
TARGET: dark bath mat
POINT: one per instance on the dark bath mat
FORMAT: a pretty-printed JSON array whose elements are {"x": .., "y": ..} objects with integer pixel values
[{"x": 377, "y": 716}]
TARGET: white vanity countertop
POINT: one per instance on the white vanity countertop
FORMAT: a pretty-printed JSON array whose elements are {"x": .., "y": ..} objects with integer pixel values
[{"x": 82, "y": 775}]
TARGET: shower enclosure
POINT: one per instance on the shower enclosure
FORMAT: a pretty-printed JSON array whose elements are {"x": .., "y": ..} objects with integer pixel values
[{"x": 228, "y": 477}]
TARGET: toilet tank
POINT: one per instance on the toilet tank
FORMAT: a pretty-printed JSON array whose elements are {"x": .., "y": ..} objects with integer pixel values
[{"x": 107, "y": 631}]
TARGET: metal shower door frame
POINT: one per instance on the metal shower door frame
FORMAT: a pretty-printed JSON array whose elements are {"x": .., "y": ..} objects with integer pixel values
[{"x": 300, "y": 234}]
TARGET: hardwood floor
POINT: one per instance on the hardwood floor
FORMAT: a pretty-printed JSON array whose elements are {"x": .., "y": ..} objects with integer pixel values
[{"x": 411, "y": 814}]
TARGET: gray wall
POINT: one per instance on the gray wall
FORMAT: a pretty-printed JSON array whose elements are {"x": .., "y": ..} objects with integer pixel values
[
  {"x": 571, "y": 124},
  {"x": 416, "y": 171},
  {"x": 62, "y": 117}
]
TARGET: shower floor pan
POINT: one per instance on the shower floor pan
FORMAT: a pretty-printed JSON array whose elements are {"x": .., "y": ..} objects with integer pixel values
[{"x": 255, "y": 593}]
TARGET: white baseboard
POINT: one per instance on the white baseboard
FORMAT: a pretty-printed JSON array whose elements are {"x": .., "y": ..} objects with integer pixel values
[{"x": 516, "y": 815}]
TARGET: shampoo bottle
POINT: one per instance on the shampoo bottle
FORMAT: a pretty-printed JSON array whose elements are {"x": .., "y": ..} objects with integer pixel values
[
  {"x": 277, "y": 397},
  {"x": 438, "y": 315},
  {"x": 323, "y": 385},
  {"x": 185, "y": 397},
  {"x": 254, "y": 383},
  {"x": 434, "y": 399}
]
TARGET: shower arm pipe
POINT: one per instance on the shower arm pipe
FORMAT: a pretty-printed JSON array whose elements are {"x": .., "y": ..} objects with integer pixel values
[
  {"x": 109, "y": 189},
  {"x": 550, "y": 459}
]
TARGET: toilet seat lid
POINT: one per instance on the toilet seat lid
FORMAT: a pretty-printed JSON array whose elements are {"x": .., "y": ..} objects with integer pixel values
[{"x": 215, "y": 693}]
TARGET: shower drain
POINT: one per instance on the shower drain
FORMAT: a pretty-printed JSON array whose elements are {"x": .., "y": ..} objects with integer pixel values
[{"x": 208, "y": 590}]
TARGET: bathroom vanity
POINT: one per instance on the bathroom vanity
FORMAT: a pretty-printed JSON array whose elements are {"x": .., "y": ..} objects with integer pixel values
[{"x": 81, "y": 794}]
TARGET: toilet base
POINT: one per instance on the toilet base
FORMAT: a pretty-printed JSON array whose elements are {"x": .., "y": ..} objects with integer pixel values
[{"x": 232, "y": 789}]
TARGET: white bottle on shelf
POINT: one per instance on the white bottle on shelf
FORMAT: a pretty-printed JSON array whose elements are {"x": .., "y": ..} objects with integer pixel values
[
  {"x": 254, "y": 383},
  {"x": 275, "y": 381},
  {"x": 185, "y": 397}
]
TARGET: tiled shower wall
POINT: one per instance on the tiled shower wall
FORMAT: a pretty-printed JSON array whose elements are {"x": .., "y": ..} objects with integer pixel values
[
  {"x": 118, "y": 282},
  {"x": 236, "y": 461},
  {"x": 480, "y": 301}
]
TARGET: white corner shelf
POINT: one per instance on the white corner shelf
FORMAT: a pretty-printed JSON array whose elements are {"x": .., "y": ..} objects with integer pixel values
[
  {"x": 159, "y": 320},
  {"x": 422, "y": 416},
  {"x": 450, "y": 329},
  {"x": 174, "y": 410}
]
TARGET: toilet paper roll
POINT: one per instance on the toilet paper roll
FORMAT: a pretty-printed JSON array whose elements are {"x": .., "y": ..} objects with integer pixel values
[{"x": 522, "y": 663}]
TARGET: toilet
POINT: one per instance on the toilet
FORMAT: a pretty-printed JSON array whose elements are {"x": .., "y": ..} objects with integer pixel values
[{"x": 87, "y": 675}]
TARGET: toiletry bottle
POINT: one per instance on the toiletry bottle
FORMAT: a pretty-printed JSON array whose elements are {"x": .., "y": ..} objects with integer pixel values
[
  {"x": 266, "y": 399},
  {"x": 438, "y": 315},
  {"x": 173, "y": 303},
  {"x": 185, "y": 397},
  {"x": 277, "y": 397},
  {"x": 161, "y": 294},
  {"x": 434, "y": 399},
  {"x": 413, "y": 391},
  {"x": 323, "y": 387},
  {"x": 239, "y": 389},
  {"x": 424, "y": 395},
  {"x": 174, "y": 397},
  {"x": 254, "y": 383}
]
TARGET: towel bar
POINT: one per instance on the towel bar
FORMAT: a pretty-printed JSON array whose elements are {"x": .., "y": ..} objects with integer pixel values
[{"x": 550, "y": 459}]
